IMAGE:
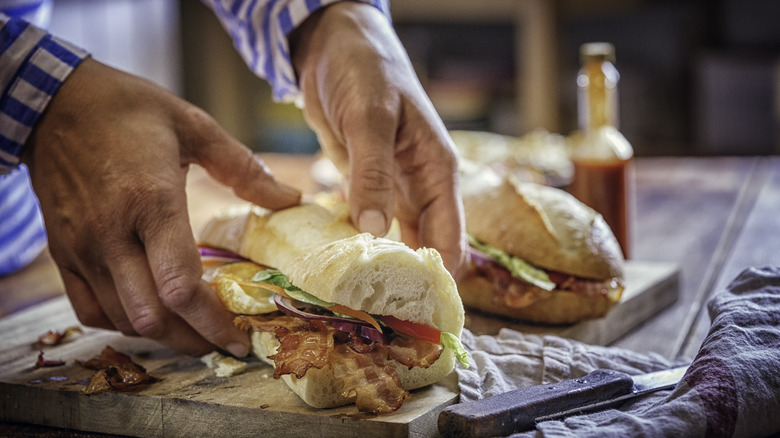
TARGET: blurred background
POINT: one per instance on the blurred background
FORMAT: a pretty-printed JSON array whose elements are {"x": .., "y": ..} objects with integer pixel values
[{"x": 698, "y": 77}]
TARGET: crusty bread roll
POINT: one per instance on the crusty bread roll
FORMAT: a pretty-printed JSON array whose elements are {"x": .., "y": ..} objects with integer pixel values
[
  {"x": 323, "y": 254},
  {"x": 551, "y": 230}
]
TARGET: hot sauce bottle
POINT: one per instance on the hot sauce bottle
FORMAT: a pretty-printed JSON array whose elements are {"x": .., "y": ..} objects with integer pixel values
[{"x": 602, "y": 157}]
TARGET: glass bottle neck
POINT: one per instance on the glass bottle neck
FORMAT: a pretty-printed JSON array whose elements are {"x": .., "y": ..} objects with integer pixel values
[{"x": 597, "y": 95}]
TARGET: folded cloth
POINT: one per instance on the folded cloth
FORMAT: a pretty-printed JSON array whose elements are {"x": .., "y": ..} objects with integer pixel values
[{"x": 732, "y": 387}]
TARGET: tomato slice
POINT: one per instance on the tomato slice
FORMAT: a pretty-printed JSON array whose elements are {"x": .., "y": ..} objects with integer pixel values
[{"x": 413, "y": 329}]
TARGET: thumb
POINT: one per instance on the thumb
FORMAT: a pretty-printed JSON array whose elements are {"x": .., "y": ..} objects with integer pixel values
[{"x": 371, "y": 179}]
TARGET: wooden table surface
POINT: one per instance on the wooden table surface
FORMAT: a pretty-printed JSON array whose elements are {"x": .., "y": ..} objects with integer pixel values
[{"x": 714, "y": 217}]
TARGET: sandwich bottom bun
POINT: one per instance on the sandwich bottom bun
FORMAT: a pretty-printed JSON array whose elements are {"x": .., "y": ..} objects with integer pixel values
[
  {"x": 554, "y": 307},
  {"x": 319, "y": 387}
]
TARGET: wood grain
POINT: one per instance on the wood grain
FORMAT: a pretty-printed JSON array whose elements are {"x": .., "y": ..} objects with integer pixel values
[
  {"x": 756, "y": 241},
  {"x": 683, "y": 210},
  {"x": 188, "y": 400}
]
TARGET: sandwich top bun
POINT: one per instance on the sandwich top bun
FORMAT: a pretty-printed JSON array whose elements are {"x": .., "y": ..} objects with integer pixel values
[
  {"x": 323, "y": 254},
  {"x": 544, "y": 226}
]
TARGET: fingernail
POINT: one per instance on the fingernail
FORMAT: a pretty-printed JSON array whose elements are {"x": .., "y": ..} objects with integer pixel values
[
  {"x": 372, "y": 221},
  {"x": 289, "y": 191},
  {"x": 238, "y": 349}
]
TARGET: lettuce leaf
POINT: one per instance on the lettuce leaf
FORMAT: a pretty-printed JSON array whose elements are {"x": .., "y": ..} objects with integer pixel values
[
  {"x": 277, "y": 278},
  {"x": 448, "y": 340},
  {"x": 518, "y": 267}
]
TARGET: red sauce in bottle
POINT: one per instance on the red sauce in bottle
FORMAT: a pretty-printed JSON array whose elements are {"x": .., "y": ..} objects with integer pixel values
[{"x": 606, "y": 188}]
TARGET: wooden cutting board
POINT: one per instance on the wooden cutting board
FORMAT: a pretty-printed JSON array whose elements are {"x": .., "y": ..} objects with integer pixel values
[{"x": 189, "y": 400}]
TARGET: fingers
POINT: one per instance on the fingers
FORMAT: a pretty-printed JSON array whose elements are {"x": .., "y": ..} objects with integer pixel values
[
  {"x": 164, "y": 290},
  {"x": 234, "y": 165},
  {"x": 439, "y": 229},
  {"x": 145, "y": 308},
  {"x": 372, "y": 172},
  {"x": 83, "y": 300}
]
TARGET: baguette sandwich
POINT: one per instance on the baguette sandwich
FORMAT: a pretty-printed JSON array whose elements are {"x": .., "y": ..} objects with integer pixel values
[
  {"x": 537, "y": 253},
  {"x": 343, "y": 317}
]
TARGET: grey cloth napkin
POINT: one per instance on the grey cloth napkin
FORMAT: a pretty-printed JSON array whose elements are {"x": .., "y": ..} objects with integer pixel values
[{"x": 731, "y": 389}]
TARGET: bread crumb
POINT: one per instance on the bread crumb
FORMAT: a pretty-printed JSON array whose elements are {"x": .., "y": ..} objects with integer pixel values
[
  {"x": 229, "y": 366},
  {"x": 222, "y": 365},
  {"x": 212, "y": 359}
]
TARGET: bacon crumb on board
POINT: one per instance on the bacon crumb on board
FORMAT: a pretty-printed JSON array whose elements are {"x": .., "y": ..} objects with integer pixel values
[
  {"x": 54, "y": 337},
  {"x": 46, "y": 363},
  {"x": 114, "y": 370}
]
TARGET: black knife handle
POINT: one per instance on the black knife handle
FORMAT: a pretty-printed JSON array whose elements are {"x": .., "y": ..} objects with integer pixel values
[{"x": 515, "y": 411}]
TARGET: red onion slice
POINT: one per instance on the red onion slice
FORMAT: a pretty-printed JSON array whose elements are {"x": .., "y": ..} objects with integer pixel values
[
  {"x": 365, "y": 331},
  {"x": 213, "y": 252},
  {"x": 348, "y": 325}
]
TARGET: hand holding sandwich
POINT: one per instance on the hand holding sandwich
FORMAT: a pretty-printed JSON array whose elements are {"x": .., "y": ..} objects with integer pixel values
[
  {"x": 109, "y": 156},
  {"x": 375, "y": 122},
  {"x": 108, "y": 162}
]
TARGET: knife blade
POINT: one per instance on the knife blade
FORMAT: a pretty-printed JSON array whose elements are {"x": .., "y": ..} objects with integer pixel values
[{"x": 519, "y": 410}]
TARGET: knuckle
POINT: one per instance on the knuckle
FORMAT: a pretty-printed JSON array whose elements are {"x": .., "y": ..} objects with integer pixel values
[
  {"x": 197, "y": 120},
  {"x": 376, "y": 179},
  {"x": 198, "y": 128},
  {"x": 177, "y": 290},
  {"x": 146, "y": 323}
]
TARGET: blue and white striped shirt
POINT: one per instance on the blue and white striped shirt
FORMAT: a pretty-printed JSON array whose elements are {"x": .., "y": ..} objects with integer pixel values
[
  {"x": 259, "y": 30},
  {"x": 33, "y": 65}
]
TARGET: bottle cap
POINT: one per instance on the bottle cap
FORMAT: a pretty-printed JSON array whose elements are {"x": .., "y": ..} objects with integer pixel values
[{"x": 590, "y": 52}]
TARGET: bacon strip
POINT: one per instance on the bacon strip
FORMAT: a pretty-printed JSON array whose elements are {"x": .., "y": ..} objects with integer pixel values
[
  {"x": 364, "y": 368},
  {"x": 370, "y": 378},
  {"x": 413, "y": 352},
  {"x": 516, "y": 293},
  {"x": 302, "y": 349}
]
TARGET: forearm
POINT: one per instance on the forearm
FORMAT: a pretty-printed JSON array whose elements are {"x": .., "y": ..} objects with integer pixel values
[{"x": 33, "y": 66}]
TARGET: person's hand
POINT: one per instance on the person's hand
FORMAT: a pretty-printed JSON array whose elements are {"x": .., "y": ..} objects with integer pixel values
[
  {"x": 108, "y": 161},
  {"x": 375, "y": 122}
]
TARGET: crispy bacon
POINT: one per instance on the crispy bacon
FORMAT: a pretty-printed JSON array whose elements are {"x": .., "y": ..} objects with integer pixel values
[
  {"x": 370, "y": 378},
  {"x": 114, "y": 370},
  {"x": 364, "y": 368},
  {"x": 54, "y": 337},
  {"x": 413, "y": 352},
  {"x": 107, "y": 358},
  {"x": 302, "y": 349},
  {"x": 46, "y": 363},
  {"x": 266, "y": 323}
]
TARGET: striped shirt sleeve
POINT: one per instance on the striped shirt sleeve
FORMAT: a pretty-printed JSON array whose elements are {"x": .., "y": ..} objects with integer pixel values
[
  {"x": 33, "y": 66},
  {"x": 259, "y": 29}
]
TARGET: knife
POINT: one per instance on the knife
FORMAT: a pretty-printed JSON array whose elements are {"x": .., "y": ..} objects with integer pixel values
[{"x": 519, "y": 410}]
